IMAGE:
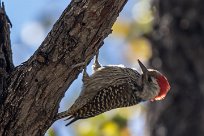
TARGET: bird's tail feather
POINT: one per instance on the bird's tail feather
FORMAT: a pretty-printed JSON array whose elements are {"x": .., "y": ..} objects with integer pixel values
[
  {"x": 73, "y": 120},
  {"x": 66, "y": 114},
  {"x": 62, "y": 115},
  {"x": 69, "y": 118}
]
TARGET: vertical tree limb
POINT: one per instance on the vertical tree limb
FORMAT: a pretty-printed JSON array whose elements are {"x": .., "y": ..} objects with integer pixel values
[
  {"x": 6, "y": 62},
  {"x": 178, "y": 48}
]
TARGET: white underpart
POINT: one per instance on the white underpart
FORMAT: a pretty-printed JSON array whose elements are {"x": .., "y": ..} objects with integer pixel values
[{"x": 150, "y": 90}]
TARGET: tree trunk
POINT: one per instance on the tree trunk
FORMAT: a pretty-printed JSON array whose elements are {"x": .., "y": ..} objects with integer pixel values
[
  {"x": 34, "y": 89},
  {"x": 178, "y": 49}
]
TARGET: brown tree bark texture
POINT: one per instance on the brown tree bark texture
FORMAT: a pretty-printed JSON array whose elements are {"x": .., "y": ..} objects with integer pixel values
[
  {"x": 36, "y": 87},
  {"x": 178, "y": 45}
]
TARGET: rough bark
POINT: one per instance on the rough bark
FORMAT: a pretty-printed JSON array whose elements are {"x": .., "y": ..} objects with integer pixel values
[
  {"x": 36, "y": 87},
  {"x": 178, "y": 45},
  {"x": 6, "y": 63}
]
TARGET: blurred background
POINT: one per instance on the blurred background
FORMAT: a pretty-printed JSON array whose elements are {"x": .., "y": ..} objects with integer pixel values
[{"x": 166, "y": 35}]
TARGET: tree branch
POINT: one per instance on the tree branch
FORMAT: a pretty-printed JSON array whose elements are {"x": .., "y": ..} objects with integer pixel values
[
  {"x": 6, "y": 62},
  {"x": 37, "y": 86}
]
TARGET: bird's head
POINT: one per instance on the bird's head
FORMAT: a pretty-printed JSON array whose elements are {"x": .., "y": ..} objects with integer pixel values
[{"x": 155, "y": 85}]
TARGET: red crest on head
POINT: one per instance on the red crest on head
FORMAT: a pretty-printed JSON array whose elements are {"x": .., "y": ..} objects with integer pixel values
[{"x": 164, "y": 87}]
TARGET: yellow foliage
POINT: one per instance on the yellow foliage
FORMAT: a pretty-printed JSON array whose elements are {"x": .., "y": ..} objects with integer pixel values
[
  {"x": 85, "y": 128},
  {"x": 139, "y": 48},
  {"x": 142, "y": 12},
  {"x": 121, "y": 28},
  {"x": 51, "y": 132},
  {"x": 110, "y": 129}
]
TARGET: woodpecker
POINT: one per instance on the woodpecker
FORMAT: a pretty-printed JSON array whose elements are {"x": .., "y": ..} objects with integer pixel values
[{"x": 111, "y": 87}]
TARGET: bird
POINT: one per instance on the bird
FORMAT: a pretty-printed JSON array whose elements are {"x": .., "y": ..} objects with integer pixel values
[{"x": 115, "y": 86}]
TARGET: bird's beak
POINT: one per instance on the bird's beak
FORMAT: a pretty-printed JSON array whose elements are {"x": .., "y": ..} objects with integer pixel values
[{"x": 144, "y": 69}]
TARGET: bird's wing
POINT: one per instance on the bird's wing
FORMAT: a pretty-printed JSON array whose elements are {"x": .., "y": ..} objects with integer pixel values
[{"x": 101, "y": 79}]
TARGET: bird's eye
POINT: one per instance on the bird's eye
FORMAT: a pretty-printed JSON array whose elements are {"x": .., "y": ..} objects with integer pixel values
[{"x": 149, "y": 79}]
